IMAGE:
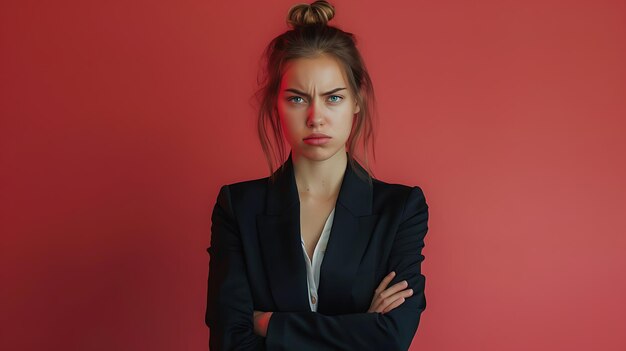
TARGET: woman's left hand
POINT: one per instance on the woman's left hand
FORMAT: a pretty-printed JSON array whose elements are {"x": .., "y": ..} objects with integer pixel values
[{"x": 261, "y": 322}]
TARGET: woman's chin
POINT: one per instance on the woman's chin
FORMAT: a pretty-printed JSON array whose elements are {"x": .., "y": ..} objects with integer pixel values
[{"x": 317, "y": 153}]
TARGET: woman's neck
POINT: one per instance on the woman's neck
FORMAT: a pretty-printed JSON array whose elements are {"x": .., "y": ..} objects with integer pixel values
[{"x": 319, "y": 180}]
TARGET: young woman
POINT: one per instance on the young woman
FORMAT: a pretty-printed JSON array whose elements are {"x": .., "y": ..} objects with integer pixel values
[{"x": 319, "y": 255}]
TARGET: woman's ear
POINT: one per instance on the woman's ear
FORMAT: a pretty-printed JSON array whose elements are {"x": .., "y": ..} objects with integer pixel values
[
  {"x": 357, "y": 98},
  {"x": 357, "y": 108}
]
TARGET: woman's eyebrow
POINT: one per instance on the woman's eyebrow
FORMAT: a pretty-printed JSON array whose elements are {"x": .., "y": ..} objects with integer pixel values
[{"x": 295, "y": 91}]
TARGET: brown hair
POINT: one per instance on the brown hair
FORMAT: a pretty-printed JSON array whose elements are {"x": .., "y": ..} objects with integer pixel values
[{"x": 309, "y": 37}]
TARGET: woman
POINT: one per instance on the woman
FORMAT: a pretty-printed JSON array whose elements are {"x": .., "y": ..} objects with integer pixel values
[{"x": 319, "y": 255}]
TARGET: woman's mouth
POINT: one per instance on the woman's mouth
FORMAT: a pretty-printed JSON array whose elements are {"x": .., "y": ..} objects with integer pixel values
[{"x": 317, "y": 140}]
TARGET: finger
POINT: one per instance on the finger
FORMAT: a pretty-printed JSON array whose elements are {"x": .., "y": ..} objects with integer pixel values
[
  {"x": 378, "y": 306},
  {"x": 381, "y": 301},
  {"x": 384, "y": 305},
  {"x": 394, "y": 289},
  {"x": 388, "y": 294},
  {"x": 383, "y": 284},
  {"x": 394, "y": 304}
]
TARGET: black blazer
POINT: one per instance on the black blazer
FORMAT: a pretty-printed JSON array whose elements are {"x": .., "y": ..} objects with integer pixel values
[{"x": 257, "y": 263}]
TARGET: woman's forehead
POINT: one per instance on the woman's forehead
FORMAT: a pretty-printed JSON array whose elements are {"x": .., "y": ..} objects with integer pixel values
[{"x": 321, "y": 72}]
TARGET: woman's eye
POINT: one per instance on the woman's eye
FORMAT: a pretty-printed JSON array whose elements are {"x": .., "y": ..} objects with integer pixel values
[
  {"x": 338, "y": 98},
  {"x": 294, "y": 98},
  {"x": 299, "y": 100}
]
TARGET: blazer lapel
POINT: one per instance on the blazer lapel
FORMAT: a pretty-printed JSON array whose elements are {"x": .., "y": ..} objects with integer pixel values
[
  {"x": 281, "y": 248},
  {"x": 352, "y": 228},
  {"x": 279, "y": 240}
]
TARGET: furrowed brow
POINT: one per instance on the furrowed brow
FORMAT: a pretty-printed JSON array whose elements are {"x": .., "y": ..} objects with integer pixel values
[{"x": 296, "y": 91}]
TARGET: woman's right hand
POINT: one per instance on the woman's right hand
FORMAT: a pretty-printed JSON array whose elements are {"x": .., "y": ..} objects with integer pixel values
[{"x": 386, "y": 299}]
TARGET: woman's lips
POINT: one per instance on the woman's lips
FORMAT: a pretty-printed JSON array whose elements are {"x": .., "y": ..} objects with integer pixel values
[{"x": 317, "y": 140}]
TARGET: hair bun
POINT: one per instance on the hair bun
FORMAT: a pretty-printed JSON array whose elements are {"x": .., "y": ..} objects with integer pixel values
[{"x": 319, "y": 12}]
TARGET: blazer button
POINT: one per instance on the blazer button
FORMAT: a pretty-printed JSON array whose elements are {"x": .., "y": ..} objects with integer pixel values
[{"x": 313, "y": 299}]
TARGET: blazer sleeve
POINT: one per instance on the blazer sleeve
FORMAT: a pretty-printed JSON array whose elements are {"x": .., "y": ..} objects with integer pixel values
[
  {"x": 367, "y": 331},
  {"x": 229, "y": 310}
]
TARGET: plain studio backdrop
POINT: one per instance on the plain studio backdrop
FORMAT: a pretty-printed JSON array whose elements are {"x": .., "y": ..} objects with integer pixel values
[{"x": 120, "y": 120}]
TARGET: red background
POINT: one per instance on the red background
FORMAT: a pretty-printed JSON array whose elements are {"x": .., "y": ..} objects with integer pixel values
[{"x": 121, "y": 119}]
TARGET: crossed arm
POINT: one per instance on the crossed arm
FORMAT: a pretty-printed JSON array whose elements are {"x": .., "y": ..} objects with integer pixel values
[{"x": 230, "y": 310}]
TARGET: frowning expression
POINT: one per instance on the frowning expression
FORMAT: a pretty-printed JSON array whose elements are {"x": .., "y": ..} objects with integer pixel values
[{"x": 315, "y": 100}]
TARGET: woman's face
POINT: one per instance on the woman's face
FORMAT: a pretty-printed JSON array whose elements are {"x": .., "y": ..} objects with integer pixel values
[{"x": 314, "y": 97}]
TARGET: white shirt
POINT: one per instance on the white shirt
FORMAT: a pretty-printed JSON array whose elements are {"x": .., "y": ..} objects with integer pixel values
[{"x": 313, "y": 268}]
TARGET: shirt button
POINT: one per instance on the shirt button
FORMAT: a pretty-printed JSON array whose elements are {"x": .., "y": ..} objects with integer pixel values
[{"x": 313, "y": 299}]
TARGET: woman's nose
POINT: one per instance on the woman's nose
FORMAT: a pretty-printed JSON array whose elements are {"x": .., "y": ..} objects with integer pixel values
[{"x": 315, "y": 116}]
